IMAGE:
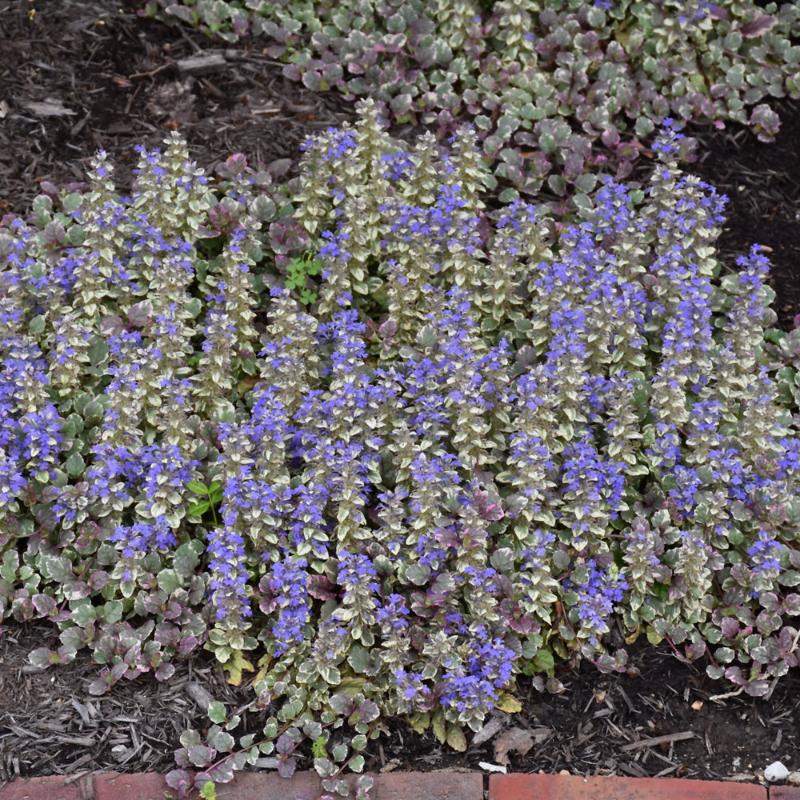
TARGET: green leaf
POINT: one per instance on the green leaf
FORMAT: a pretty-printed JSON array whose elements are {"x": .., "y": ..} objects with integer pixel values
[
  {"x": 8, "y": 569},
  {"x": 543, "y": 661},
  {"x": 83, "y": 614},
  {"x": 197, "y": 487},
  {"x": 72, "y": 201},
  {"x": 216, "y": 712},
  {"x": 112, "y": 611},
  {"x": 356, "y": 763},
  {"x": 319, "y": 747},
  {"x": 168, "y": 580},
  {"x": 456, "y": 738},
  {"x": 235, "y": 666},
  {"x": 187, "y": 558},
  {"x": 418, "y": 574},
  {"x": 773, "y": 335},
  {"x": 198, "y": 509},
  {"x": 439, "y": 730},
  {"x": 420, "y": 722},
  {"x": 221, "y": 741},
  {"x": 509, "y": 703},
  {"x": 98, "y": 352},
  {"x": 735, "y": 536},
  {"x": 358, "y": 658},
  {"x": 75, "y": 465},
  {"x": 653, "y": 636},
  {"x": 209, "y": 791},
  {"x": 789, "y": 578},
  {"x": 36, "y": 325}
]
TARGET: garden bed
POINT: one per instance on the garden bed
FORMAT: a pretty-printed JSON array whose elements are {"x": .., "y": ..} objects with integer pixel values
[{"x": 84, "y": 77}]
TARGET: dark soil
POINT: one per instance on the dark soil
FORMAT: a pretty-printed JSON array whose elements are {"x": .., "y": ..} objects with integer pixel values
[
  {"x": 763, "y": 184},
  {"x": 110, "y": 80},
  {"x": 50, "y": 724}
]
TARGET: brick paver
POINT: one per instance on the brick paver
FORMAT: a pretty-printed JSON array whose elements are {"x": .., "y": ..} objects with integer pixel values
[
  {"x": 784, "y": 793},
  {"x": 51, "y": 788},
  {"x": 269, "y": 786},
  {"x": 438, "y": 785},
  {"x": 575, "y": 787},
  {"x": 139, "y": 786}
]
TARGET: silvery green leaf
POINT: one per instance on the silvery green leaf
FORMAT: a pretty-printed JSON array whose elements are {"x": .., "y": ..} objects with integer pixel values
[
  {"x": 75, "y": 465},
  {"x": 221, "y": 741},
  {"x": 187, "y": 558},
  {"x": 83, "y": 613},
  {"x": 356, "y": 763},
  {"x": 98, "y": 351},
  {"x": 325, "y": 767},
  {"x": 418, "y": 574},
  {"x": 36, "y": 325},
  {"x": 789, "y": 577},
  {"x": 401, "y": 104},
  {"x": 168, "y": 581},
  {"x": 359, "y": 658},
  {"x": 42, "y": 657}
]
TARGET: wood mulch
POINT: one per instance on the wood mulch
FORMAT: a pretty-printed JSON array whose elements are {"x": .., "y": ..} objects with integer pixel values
[
  {"x": 762, "y": 182},
  {"x": 84, "y": 75}
]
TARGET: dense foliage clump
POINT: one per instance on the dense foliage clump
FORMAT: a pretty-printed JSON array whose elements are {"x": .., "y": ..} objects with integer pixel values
[
  {"x": 492, "y": 442},
  {"x": 558, "y": 90}
]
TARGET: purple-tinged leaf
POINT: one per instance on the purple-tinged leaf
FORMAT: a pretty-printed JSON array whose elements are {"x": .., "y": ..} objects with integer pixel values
[
  {"x": 758, "y": 26},
  {"x": 200, "y": 755},
  {"x": 180, "y": 780}
]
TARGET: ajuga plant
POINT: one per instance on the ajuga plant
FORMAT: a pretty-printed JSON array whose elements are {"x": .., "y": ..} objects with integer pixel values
[
  {"x": 389, "y": 511},
  {"x": 558, "y": 90}
]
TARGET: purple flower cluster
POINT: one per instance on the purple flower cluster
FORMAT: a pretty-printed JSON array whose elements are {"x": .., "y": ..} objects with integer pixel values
[
  {"x": 473, "y": 685},
  {"x": 765, "y": 554},
  {"x": 289, "y": 584},
  {"x": 228, "y": 565},
  {"x": 30, "y": 425},
  {"x": 137, "y": 540},
  {"x": 412, "y": 691},
  {"x": 597, "y": 590}
]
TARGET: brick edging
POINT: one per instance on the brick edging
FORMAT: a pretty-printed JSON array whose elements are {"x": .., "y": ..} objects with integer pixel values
[
  {"x": 576, "y": 787},
  {"x": 437, "y": 785}
]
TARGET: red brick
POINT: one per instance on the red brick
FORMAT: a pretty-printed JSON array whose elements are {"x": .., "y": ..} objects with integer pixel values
[
  {"x": 784, "y": 793},
  {"x": 270, "y": 786},
  {"x": 575, "y": 787},
  {"x": 137, "y": 786},
  {"x": 438, "y": 785},
  {"x": 50, "y": 788}
]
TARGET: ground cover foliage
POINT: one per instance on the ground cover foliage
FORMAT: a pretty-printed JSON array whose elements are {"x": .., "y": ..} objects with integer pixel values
[
  {"x": 383, "y": 449},
  {"x": 558, "y": 91}
]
